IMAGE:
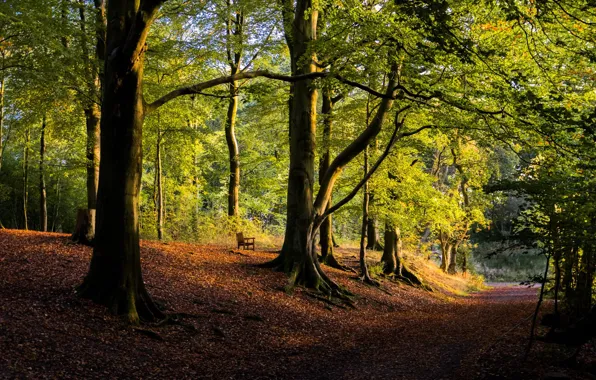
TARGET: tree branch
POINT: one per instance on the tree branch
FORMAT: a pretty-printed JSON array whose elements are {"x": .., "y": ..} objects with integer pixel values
[{"x": 198, "y": 88}]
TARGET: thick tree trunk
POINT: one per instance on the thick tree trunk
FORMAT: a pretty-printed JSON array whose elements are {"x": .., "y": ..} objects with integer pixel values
[
  {"x": 84, "y": 227},
  {"x": 114, "y": 278},
  {"x": 392, "y": 252},
  {"x": 26, "y": 178},
  {"x": 43, "y": 207}
]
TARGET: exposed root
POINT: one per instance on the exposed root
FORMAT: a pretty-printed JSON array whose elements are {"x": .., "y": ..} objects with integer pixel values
[
  {"x": 277, "y": 263},
  {"x": 369, "y": 281},
  {"x": 331, "y": 261},
  {"x": 149, "y": 333},
  {"x": 326, "y": 300}
]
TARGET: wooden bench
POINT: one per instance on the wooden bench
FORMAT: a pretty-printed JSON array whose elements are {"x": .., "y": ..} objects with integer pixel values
[{"x": 245, "y": 243}]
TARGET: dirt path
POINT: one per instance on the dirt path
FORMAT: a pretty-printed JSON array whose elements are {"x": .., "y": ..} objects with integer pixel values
[
  {"x": 445, "y": 342},
  {"x": 243, "y": 325}
]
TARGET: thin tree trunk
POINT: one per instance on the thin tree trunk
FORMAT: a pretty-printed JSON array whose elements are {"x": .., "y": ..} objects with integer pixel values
[
  {"x": 159, "y": 184},
  {"x": 325, "y": 232},
  {"x": 234, "y": 35},
  {"x": 233, "y": 153},
  {"x": 26, "y": 178},
  {"x": 2, "y": 84},
  {"x": 43, "y": 207},
  {"x": 389, "y": 258},
  {"x": 445, "y": 251},
  {"x": 57, "y": 206},
  {"x": 93, "y": 66},
  {"x": 326, "y": 229},
  {"x": 570, "y": 260},
  {"x": 92, "y": 119},
  {"x": 364, "y": 274},
  {"x": 451, "y": 267}
]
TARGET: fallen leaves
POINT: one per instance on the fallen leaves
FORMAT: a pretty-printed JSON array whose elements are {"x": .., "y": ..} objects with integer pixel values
[{"x": 231, "y": 320}]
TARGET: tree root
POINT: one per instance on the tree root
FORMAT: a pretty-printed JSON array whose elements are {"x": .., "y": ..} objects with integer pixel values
[
  {"x": 369, "y": 281},
  {"x": 331, "y": 261},
  {"x": 149, "y": 333},
  {"x": 326, "y": 300},
  {"x": 277, "y": 263}
]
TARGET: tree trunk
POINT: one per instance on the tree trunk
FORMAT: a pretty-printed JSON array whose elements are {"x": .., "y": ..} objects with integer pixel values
[
  {"x": 364, "y": 274},
  {"x": 114, "y": 278},
  {"x": 389, "y": 257},
  {"x": 57, "y": 206},
  {"x": 43, "y": 207},
  {"x": 234, "y": 57},
  {"x": 445, "y": 251},
  {"x": 2, "y": 84},
  {"x": 85, "y": 226},
  {"x": 233, "y": 152},
  {"x": 326, "y": 229},
  {"x": 26, "y": 178},
  {"x": 372, "y": 233},
  {"x": 297, "y": 255},
  {"x": 451, "y": 268},
  {"x": 464, "y": 263},
  {"x": 159, "y": 185},
  {"x": 93, "y": 73},
  {"x": 570, "y": 259},
  {"x": 585, "y": 279},
  {"x": 92, "y": 119}
]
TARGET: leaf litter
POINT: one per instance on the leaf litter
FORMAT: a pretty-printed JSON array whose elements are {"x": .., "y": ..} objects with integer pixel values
[{"x": 235, "y": 322}]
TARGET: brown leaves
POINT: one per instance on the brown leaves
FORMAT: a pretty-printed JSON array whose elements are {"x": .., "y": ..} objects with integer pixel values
[{"x": 231, "y": 320}]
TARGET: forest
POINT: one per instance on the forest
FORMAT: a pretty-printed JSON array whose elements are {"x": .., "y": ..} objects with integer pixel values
[{"x": 324, "y": 188}]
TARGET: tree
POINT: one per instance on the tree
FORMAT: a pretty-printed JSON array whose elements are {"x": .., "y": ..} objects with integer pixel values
[
  {"x": 116, "y": 251},
  {"x": 43, "y": 207}
]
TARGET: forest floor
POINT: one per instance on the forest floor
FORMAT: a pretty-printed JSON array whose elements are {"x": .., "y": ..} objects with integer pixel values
[{"x": 240, "y": 324}]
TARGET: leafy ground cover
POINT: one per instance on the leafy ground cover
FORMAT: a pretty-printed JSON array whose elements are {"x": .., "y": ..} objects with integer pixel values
[{"x": 234, "y": 321}]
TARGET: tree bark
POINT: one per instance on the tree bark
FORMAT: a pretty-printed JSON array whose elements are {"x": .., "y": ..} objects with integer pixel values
[
  {"x": 114, "y": 278},
  {"x": 57, "y": 206},
  {"x": 445, "y": 250},
  {"x": 234, "y": 57},
  {"x": 372, "y": 233},
  {"x": 91, "y": 106},
  {"x": 159, "y": 204},
  {"x": 364, "y": 274},
  {"x": 451, "y": 268},
  {"x": 389, "y": 258},
  {"x": 2, "y": 87},
  {"x": 43, "y": 207},
  {"x": 326, "y": 229},
  {"x": 26, "y": 177}
]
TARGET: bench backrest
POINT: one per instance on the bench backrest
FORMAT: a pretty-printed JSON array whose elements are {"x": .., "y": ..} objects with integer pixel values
[{"x": 240, "y": 237}]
